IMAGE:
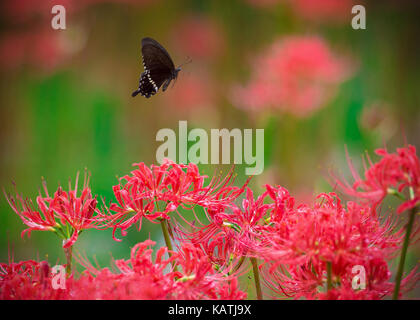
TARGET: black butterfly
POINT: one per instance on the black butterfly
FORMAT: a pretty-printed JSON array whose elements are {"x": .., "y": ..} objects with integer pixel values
[{"x": 158, "y": 69}]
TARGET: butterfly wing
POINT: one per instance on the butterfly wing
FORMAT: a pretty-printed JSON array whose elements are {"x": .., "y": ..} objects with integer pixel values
[
  {"x": 147, "y": 86},
  {"x": 158, "y": 68},
  {"x": 155, "y": 56}
]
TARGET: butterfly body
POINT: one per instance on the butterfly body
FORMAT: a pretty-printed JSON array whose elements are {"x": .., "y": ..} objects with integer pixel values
[{"x": 159, "y": 69}]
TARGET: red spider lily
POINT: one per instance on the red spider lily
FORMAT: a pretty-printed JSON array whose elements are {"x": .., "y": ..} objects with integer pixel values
[
  {"x": 27, "y": 280},
  {"x": 297, "y": 75},
  {"x": 140, "y": 277},
  {"x": 44, "y": 221},
  {"x": 176, "y": 185},
  {"x": 283, "y": 204},
  {"x": 228, "y": 237},
  {"x": 301, "y": 242},
  {"x": 143, "y": 277},
  {"x": 216, "y": 239},
  {"x": 200, "y": 280},
  {"x": 346, "y": 292},
  {"x": 395, "y": 172},
  {"x": 54, "y": 213}
]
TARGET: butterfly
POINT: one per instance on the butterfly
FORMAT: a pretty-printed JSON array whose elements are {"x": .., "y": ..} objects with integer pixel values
[{"x": 159, "y": 69}]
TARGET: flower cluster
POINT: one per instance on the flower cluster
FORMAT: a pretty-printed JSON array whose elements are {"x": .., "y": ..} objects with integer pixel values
[
  {"x": 316, "y": 247},
  {"x": 29, "y": 280},
  {"x": 140, "y": 277},
  {"x": 323, "y": 249},
  {"x": 229, "y": 235},
  {"x": 171, "y": 184}
]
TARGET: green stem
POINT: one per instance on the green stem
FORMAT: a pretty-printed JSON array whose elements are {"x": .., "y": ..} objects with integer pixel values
[
  {"x": 329, "y": 276},
  {"x": 164, "y": 225},
  {"x": 165, "y": 232},
  {"x": 400, "y": 271},
  {"x": 396, "y": 194},
  {"x": 69, "y": 257},
  {"x": 256, "y": 278}
]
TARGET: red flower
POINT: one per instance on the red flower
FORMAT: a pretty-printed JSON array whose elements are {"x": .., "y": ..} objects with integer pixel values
[
  {"x": 394, "y": 173},
  {"x": 143, "y": 277},
  {"x": 297, "y": 75},
  {"x": 230, "y": 234},
  {"x": 300, "y": 242},
  {"x": 44, "y": 221},
  {"x": 171, "y": 184},
  {"x": 54, "y": 213},
  {"x": 200, "y": 279},
  {"x": 28, "y": 280}
]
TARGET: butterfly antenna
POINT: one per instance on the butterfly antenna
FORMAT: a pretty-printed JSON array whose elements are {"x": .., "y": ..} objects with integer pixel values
[{"x": 189, "y": 60}]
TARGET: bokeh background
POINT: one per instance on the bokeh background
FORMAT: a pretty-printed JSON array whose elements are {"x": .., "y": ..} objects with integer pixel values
[{"x": 293, "y": 67}]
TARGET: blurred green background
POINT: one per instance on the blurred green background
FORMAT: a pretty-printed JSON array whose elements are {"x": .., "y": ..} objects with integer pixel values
[{"x": 66, "y": 97}]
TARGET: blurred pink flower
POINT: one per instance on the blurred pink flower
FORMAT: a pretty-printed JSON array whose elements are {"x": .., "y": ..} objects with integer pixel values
[
  {"x": 297, "y": 75},
  {"x": 41, "y": 48},
  {"x": 35, "y": 42},
  {"x": 199, "y": 37},
  {"x": 82, "y": 3},
  {"x": 24, "y": 10},
  {"x": 12, "y": 50},
  {"x": 323, "y": 10}
]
